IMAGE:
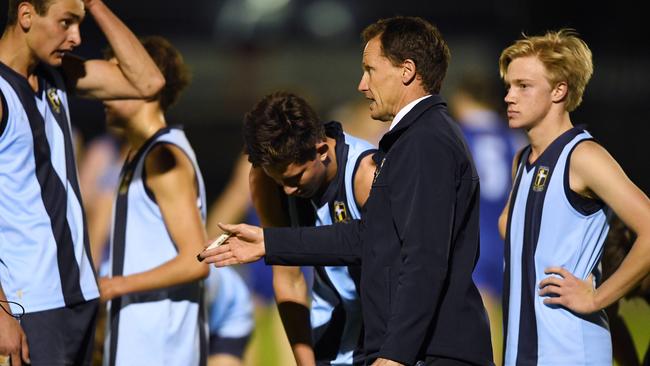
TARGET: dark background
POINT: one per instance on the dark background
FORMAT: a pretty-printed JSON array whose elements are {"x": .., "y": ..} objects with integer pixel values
[{"x": 240, "y": 50}]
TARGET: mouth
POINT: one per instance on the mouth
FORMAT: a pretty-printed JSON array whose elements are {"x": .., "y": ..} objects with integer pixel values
[
  {"x": 512, "y": 114},
  {"x": 61, "y": 53}
]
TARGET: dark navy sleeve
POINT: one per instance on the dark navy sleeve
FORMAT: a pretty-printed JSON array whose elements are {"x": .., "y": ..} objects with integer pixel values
[
  {"x": 331, "y": 245},
  {"x": 421, "y": 180}
]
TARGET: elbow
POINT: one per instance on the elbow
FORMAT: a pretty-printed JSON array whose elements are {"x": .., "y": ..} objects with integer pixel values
[
  {"x": 156, "y": 84},
  {"x": 152, "y": 86}
]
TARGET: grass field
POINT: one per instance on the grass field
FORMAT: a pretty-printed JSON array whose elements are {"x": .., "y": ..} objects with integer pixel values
[{"x": 269, "y": 346}]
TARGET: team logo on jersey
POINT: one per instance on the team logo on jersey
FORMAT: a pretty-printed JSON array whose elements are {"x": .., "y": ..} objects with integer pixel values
[
  {"x": 540, "y": 179},
  {"x": 340, "y": 212},
  {"x": 126, "y": 180},
  {"x": 378, "y": 170},
  {"x": 55, "y": 102}
]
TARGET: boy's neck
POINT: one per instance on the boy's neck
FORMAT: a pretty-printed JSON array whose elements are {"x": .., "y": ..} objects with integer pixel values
[{"x": 544, "y": 133}]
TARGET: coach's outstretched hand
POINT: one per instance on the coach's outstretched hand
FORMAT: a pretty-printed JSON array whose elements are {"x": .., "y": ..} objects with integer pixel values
[{"x": 244, "y": 246}]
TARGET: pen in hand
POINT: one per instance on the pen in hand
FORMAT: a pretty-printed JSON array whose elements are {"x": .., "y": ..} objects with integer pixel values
[{"x": 216, "y": 243}]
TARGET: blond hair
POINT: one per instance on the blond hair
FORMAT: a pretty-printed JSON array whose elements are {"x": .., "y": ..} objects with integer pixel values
[{"x": 566, "y": 57}]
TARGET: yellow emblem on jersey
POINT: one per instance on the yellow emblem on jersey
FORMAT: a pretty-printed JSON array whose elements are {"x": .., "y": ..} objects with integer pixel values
[
  {"x": 126, "y": 180},
  {"x": 540, "y": 179},
  {"x": 55, "y": 102},
  {"x": 340, "y": 212}
]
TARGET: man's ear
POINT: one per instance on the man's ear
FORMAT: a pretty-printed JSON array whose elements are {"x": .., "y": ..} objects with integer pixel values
[
  {"x": 25, "y": 13},
  {"x": 321, "y": 150},
  {"x": 408, "y": 71},
  {"x": 559, "y": 92}
]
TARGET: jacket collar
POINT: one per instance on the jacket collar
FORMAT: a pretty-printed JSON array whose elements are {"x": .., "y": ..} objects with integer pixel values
[{"x": 391, "y": 136}]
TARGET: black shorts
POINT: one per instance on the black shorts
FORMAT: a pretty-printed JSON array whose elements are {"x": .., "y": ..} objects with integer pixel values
[
  {"x": 230, "y": 346},
  {"x": 63, "y": 336}
]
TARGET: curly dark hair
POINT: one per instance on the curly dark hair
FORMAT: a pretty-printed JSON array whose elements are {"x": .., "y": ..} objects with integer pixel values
[
  {"x": 413, "y": 38},
  {"x": 170, "y": 62},
  {"x": 282, "y": 129},
  {"x": 41, "y": 7}
]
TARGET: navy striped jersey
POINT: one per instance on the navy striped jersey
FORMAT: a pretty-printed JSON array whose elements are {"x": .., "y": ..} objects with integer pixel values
[
  {"x": 160, "y": 327},
  {"x": 550, "y": 225},
  {"x": 44, "y": 251},
  {"x": 336, "y": 318}
]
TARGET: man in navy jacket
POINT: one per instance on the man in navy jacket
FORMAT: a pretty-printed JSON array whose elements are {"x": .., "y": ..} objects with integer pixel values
[{"x": 418, "y": 241}]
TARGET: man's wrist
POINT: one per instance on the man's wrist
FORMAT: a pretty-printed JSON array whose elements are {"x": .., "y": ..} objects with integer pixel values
[{"x": 597, "y": 302}]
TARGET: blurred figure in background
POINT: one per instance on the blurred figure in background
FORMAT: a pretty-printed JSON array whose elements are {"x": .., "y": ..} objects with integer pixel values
[
  {"x": 234, "y": 203},
  {"x": 100, "y": 162},
  {"x": 230, "y": 308},
  {"x": 476, "y": 104},
  {"x": 230, "y": 317},
  {"x": 618, "y": 243},
  {"x": 155, "y": 287},
  {"x": 99, "y": 174}
]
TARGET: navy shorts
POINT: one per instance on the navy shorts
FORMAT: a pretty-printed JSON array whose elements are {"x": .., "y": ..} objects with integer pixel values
[
  {"x": 230, "y": 346},
  {"x": 63, "y": 336}
]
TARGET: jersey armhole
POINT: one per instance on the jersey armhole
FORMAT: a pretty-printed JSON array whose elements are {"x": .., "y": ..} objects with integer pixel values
[
  {"x": 584, "y": 205},
  {"x": 5, "y": 113},
  {"x": 354, "y": 174}
]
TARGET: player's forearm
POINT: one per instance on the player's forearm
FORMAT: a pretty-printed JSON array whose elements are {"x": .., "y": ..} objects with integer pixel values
[
  {"x": 303, "y": 354},
  {"x": 293, "y": 305},
  {"x": 289, "y": 285},
  {"x": 295, "y": 319},
  {"x": 174, "y": 272},
  {"x": 134, "y": 61},
  {"x": 633, "y": 269}
]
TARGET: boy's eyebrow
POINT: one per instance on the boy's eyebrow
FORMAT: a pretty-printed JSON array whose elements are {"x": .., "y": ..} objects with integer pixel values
[{"x": 75, "y": 16}]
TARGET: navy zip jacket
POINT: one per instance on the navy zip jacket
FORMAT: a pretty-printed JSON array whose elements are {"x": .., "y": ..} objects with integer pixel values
[{"x": 417, "y": 243}]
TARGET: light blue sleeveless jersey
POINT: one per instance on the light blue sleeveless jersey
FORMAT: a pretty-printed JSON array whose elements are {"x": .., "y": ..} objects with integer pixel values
[
  {"x": 336, "y": 307},
  {"x": 550, "y": 225},
  {"x": 44, "y": 249},
  {"x": 161, "y": 327}
]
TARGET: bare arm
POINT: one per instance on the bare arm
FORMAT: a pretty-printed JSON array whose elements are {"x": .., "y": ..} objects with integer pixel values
[
  {"x": 289, "y": 285},
  {"x": 13, "y": 341},
  {"x": 170, "y": 176},
  {"x": 134, "y": 76},
  {"x": 594, "y": 173},
  {"x": 363, "y": 179},
  {"x": 291, "y": 295}
]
